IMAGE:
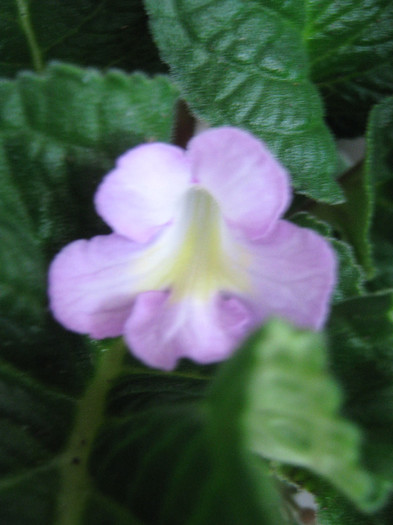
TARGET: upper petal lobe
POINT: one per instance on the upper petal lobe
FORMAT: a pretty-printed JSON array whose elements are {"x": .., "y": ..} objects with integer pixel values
[
  {"x": 249, "y": 184},
  {"x": 139, "y": 196}
]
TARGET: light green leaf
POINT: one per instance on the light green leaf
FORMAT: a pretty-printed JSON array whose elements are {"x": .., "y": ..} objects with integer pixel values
[
  {"x": 292, "y": 411},
  {"x": 88, "y": 33},
  {"x": 244, "y": 63}
]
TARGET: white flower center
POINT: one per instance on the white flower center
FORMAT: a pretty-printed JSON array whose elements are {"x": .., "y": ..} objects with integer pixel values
[{"x": 195, "y": 255}]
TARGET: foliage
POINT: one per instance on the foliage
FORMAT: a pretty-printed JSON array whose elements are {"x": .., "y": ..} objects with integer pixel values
[{"x": 88, "y": 435}]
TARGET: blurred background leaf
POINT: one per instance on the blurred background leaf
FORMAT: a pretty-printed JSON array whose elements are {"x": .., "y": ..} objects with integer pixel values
[{"x": 85, "y": 32}]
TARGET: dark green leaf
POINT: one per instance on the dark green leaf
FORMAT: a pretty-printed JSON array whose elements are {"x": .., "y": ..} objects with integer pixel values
[
  {"x": 89, "y": 33},
  {"x": 350, "y": 44},
  {"x": 361, "y": 341},
  {"x": 380, "y": 168},
  {"x": 352, "y": 220},
  {"x": 244, "y": 63},
  {"x": 87, "y": 435},
  {"x": 135, "y": 447},
  {"x": 59, "y": 134},
  {"x": 380, "y": 142},
  {"x": 164, "y": 454}
]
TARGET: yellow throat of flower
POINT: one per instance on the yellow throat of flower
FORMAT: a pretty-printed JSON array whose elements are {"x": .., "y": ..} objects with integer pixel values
[{"x": 196, "y": 255}]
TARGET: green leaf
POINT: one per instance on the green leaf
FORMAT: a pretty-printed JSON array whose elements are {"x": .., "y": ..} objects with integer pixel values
[
  {"x": 244, "y": 63},
  {"x": 353, "y": 218},
  {"x": 60, "y": 132},
  {"x": 350, "y": 44},
  {"x": 292, "y": 414},
  {"x": 136, "y": 446},
  {"x": 380, "y": 142},
  {"x": 334, "y": 509},
  {"x": 88, "y": 33},
  {"x": 380, "y": 168},
  {"x": 163, "y": 453},
  {"x": 350, "y": 280},
  {"x": 360, "y": 342}
]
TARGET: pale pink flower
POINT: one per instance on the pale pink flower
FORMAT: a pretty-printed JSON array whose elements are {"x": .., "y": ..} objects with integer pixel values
[{"x": 199, "y": 256}]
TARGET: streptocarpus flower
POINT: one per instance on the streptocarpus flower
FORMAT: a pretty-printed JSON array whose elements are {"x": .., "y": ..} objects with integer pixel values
[{"x": 199, "y": 255}]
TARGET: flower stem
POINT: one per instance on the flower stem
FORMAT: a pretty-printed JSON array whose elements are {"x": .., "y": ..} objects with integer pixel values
[
  {"x": 90, "y": 411},
  {"x": 27, "y": 27}
]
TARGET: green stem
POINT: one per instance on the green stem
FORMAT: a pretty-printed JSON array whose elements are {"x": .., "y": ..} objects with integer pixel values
[
  {"x": 24, "y": 17},
  {"x": 90, "y": 415}
]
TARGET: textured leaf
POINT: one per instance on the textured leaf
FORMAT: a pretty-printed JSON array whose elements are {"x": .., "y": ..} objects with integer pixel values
[
  {"x": 59, "y": 134},
  {"x": 292, "y": 411},
  {"x": 244, "y": 63},
  {"x": 104, "y": 33},
  {"x": 350, "y": 44}
]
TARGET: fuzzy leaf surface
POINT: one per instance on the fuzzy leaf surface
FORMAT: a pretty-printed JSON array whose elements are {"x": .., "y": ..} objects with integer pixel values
[{"x": 245, "y": 63}]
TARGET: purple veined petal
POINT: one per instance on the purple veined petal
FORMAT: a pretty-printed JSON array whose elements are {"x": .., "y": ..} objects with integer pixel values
[
  {"x": 250, "y": 185},
  {"x": 293, "y": 274},
  {"x": 139, "y": 196},
  {"x": 91, "y": 285},
  {"x": 160, "y": 331}
]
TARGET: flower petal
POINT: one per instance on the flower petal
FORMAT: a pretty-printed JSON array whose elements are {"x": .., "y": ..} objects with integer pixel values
[
  {"x": 160, "y": 331},
  {"x": 250, "y": 185},
  {"x": 91, "y": 285},
  {"x": 293, "y": 275},
  {"x": 139, "y": 196}
]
